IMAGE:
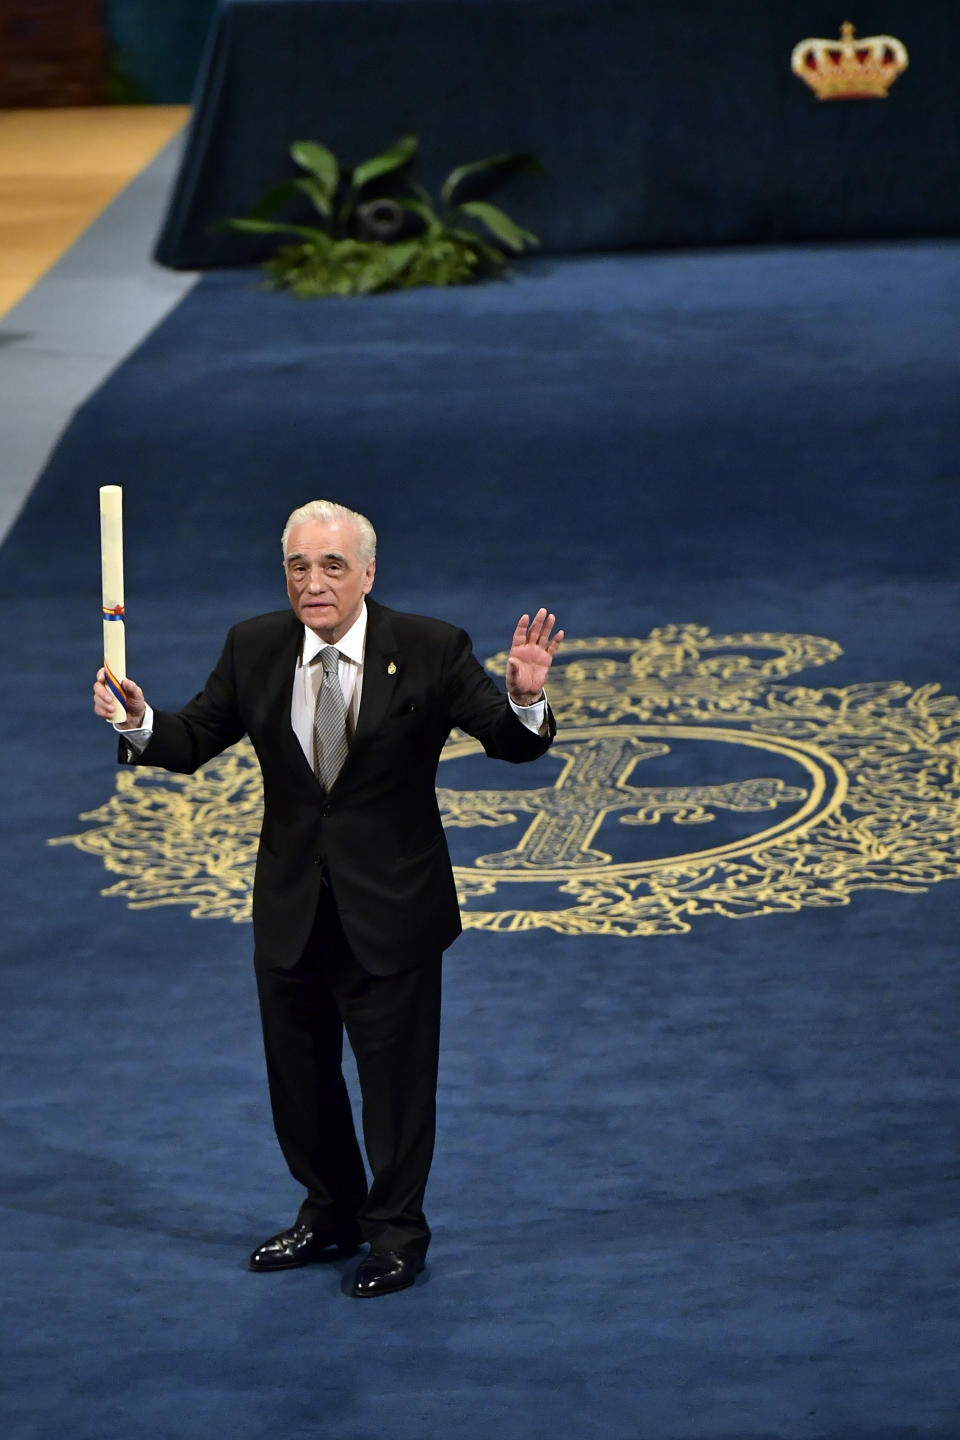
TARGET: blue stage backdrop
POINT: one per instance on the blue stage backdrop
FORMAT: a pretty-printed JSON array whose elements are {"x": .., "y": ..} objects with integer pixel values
[{"x": 657, "y": 125}]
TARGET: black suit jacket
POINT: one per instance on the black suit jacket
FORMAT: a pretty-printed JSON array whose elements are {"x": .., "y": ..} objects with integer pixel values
[{"x": 376, "y": 837}]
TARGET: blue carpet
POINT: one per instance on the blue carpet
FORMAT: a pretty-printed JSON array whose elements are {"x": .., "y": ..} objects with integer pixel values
[{"x": 696, "y": 1186}]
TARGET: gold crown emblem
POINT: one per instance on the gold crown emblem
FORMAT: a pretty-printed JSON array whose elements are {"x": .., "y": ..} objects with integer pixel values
[{"x": 850, "y": 69}]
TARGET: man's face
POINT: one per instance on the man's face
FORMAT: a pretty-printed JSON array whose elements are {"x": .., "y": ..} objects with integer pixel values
[{"x": 326, "y": 579}]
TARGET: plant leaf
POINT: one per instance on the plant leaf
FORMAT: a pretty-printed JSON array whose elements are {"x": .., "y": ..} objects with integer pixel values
[
  {"x": 420, "y": 191},
  {"x": 321, "y": 163},
  {"x": 278, "y": 227},
  {"x": 498, "y": 223},
  {"x": 509, "y": 163},
  {"x": 385, "y": 267},
  {"x": 315, "y": 193},
  {"x": 487, "y": 256},
  {"x": 419, "y": 207},
  {"x": 393, "y": 159},
  {"x": 273, "y": 199}
]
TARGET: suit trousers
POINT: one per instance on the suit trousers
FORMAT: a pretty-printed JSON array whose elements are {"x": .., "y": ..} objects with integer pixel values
[{"x": 393, "y": 1025}]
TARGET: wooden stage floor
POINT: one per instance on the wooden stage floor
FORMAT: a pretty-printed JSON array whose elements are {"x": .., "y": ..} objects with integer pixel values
[{"x": 59, "y": 169}]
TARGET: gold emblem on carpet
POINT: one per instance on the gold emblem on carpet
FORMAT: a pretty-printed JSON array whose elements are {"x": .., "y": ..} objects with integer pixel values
[{"x": 688, "y": 780}]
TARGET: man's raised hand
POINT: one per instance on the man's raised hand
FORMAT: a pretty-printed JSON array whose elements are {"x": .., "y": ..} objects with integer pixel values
[{"x": 531, "y": 655}]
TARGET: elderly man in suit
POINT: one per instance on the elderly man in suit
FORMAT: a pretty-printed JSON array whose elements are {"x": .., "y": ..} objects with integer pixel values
[{"x": 348, "y": 705}]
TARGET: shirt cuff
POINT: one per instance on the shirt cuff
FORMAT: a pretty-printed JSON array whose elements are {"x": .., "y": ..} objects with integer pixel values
[
  {"x": 138, "y": 739},
  {"x": 534, "y": 716}
]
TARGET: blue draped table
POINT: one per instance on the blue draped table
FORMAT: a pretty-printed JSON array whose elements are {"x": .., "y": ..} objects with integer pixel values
[{"x": 657, "y": 125}]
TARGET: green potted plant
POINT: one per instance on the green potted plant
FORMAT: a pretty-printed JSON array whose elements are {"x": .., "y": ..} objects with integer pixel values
[{"x": 379, "y": 229}]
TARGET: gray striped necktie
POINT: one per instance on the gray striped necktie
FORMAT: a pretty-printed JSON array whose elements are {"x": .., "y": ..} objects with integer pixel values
[{"x": 329, "y": 721}]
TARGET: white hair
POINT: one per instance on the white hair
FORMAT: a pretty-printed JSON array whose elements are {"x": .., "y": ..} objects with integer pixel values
[{"x": 328, "y": 511}]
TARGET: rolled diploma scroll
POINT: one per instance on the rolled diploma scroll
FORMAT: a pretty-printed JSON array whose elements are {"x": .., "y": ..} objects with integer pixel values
[{"x": 111, "y": 561}]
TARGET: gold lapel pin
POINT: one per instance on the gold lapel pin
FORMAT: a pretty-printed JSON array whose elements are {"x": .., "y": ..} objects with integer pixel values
[{"x": 391, "y": 668}]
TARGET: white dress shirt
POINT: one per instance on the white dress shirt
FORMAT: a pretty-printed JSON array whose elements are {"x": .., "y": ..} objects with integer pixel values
[{"x": 309, "y": 673}]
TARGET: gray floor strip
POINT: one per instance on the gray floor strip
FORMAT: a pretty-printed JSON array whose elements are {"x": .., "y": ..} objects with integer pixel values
[{"x": 78, "y": 323}]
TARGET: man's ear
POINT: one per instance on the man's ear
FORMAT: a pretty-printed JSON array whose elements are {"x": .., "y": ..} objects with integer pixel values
[{"x": 368, "y": 577}]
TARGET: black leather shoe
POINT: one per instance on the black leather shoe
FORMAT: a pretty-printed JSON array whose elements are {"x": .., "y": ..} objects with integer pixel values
[
  {"x": 384, "y": 1271},
  {"x": 302, "y": 1246}
]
